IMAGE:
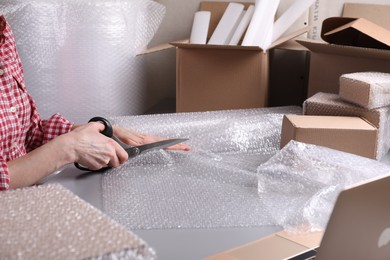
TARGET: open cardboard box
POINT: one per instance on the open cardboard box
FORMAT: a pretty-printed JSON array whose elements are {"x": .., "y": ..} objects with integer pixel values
[
  {"x": 328, "y": 61},
  {"x": 349, "y": 134},
  {"x": 219, "y": 77}
]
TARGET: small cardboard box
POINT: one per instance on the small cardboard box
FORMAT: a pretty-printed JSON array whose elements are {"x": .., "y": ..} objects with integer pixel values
[
  {"x": 280, "y": 245},
  {"x": 370, "y": 90},
  {"x": 218, "y": 77},
  {"x": 329, "y": 61},
  {"x": 349, "y": 134}
]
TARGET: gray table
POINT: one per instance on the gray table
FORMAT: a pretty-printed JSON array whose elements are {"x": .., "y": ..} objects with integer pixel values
[{"x": 170, "y": 244}]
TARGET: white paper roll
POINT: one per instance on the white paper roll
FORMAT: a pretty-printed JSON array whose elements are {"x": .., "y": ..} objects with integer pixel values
[
  {"x": 225, "y": 26},
  {"x": 259, "y": 31},
  {"x": 200, "y": 27},
  {"x": 243, "y": 25},
  {"x": 289, "y": 17}
]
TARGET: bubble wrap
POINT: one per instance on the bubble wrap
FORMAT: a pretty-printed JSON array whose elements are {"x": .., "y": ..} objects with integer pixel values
[
  {"x": 50, "y": 222},
  {"x": 332, "y": 105},
  {"x": 213, "y": 185},
  {"x": 79, "y": 56},
  {"x": 299, "y": 186},
  {"x": 367, "y": 89}
]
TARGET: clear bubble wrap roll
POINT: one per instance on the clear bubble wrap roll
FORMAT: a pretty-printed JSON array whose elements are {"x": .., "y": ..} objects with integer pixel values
[
  {"x": 50, "y": 222},
  {"x": 234, "y": 176},
  {"x": 299, "y": 186},
  {"x": 213, "y": 185},
  {"x": 79, "y": 57}
]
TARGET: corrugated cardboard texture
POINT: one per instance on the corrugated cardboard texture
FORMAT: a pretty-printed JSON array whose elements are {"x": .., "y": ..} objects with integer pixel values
[
  {"x": 332, "y": 105},
  {"x": 348, "y": 134},
  {"x": 218, "y": 79}
]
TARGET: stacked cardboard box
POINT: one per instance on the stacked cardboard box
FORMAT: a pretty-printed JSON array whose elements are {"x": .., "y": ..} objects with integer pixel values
[
  {"x": 362, "y": 95},
  {"x": 349, "y": 77}
]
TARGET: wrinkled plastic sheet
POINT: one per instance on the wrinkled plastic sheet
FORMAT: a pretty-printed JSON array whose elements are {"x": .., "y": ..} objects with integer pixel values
[
  {"x": 79, "y": 57},
  {"x": 235, "y": 175},
  {"x": 299, "y": 185}
]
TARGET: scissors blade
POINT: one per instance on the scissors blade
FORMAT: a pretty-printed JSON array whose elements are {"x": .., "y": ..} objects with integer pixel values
[{"x": 153, "y": 146}]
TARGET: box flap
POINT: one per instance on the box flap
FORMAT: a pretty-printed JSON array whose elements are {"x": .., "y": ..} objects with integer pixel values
[
  {"x": 376, "y": 13},
  {"x": 212, "y": 46},
  {"x": 355, "y": 32},
  {"x": 361, "y": 52},
  {"x": 290, "y": 36},
  {"x": 163, "y": 46},
  {"x": 156, "y": 48}
]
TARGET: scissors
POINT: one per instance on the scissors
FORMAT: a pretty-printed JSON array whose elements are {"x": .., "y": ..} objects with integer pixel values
[{"x": 132, "y": 151}]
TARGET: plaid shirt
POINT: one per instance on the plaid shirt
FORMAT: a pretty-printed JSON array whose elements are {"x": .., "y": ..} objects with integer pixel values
[{"x": 21, "y": 128}]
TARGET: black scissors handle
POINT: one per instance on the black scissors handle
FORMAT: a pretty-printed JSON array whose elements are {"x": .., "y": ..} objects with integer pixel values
[
  {"x": 107, "y": 131},
  {"x": 132, "y": 151}
]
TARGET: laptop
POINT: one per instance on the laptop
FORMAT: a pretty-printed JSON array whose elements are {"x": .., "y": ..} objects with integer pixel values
[{"x": 358, "y": 228}]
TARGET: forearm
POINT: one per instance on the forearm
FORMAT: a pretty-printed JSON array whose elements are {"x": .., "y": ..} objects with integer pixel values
[{"x": 39, "y": 163}]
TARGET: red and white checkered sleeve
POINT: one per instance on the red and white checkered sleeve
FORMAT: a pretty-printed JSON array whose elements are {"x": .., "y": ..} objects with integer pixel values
[
  {"x": 54, "y": 126},
  {"x": 48, "y": 129},
  {"x": 4, "y": 176}
]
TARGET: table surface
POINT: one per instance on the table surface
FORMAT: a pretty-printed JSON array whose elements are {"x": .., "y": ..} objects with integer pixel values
[{"x": 169, "y": 244}]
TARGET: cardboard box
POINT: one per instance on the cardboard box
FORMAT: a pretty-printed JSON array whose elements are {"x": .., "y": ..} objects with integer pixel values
[
  {"x": 370, "y": 90},
  {"x": 349, "y": 134},
  {"x": 219, "y": 77},
  {"x": 281, "y": 245},
  {"x": 329, "y": 61},
  {"x": 328, "y": 104}
]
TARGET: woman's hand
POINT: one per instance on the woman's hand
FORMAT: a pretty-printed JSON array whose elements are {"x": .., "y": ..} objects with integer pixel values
[
  {"x": 94, "y": 150},
  {"x": 135, "y": 139}
]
